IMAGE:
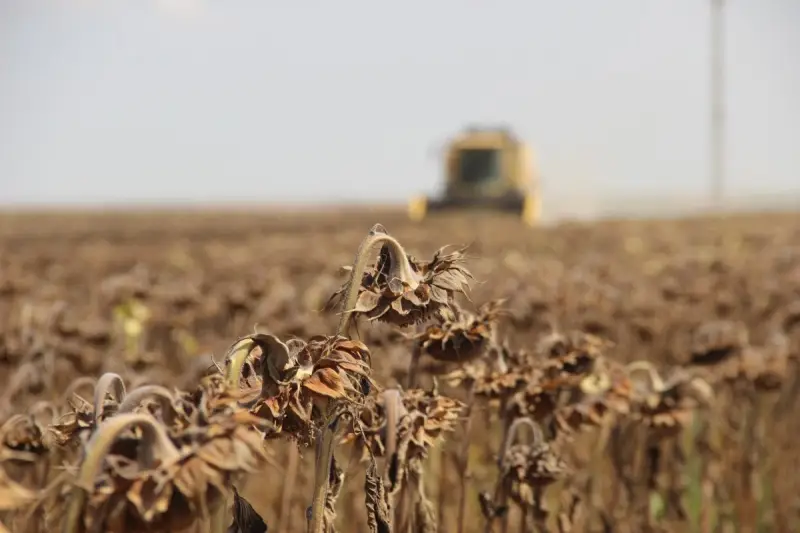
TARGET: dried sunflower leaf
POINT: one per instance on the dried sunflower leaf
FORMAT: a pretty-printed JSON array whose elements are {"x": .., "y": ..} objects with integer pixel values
[
  {"x": 245, "y": 518},
  {"x": 327, "y": 382},
  {"x": 219, "y": 453},
  {"x": 367, "y": 301},
  {"x": 150, "y": 496},
  {"x": 377, "y": 502}
]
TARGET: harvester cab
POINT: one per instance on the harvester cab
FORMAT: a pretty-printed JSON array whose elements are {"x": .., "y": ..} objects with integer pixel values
[{"x": 485, "y": 168}]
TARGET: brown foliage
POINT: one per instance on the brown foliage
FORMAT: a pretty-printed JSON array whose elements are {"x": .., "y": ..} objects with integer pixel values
[
  {"x": 387, "y": 298},
  {"x": 460, "y": 336},
  {"x": 422, "y": 420},
  {"x": 300, "y": 380},
  {"x": 713, "y": 304}
]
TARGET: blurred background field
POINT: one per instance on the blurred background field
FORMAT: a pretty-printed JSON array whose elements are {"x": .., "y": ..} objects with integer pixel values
[{"x": 204, "y": 279}]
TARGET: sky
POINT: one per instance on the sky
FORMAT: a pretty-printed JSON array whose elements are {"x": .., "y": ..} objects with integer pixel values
[{"x": 265, "y": 101}]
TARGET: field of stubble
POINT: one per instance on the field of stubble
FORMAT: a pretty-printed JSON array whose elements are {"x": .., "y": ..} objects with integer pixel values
[{"x": 622, "y": 376}]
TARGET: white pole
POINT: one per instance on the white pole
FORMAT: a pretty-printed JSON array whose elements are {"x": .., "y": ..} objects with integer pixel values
[{"x": 717, "y": 155}]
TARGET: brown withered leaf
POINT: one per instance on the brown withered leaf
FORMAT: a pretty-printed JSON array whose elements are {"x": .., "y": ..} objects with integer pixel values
[
  {"x": 151, "y": 495},
  {"x": 422, "y": 420},
  {"x": 326, "y": 382},
  {"x": 74, "y": 424},
  {"x": 460, "y": 336},
  {"x": 335, "y": 484},
  {"x": 425, "y": 515},
  {"x": 245, "y": 518},
  {"x": 379, "y": 519}
]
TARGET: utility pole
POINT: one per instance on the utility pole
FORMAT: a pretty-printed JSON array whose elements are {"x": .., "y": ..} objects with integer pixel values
[{"x": 717, "y": 152}]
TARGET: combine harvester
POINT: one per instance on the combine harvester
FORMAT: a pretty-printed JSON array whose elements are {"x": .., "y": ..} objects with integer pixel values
[{"x": 486, "y": 169}]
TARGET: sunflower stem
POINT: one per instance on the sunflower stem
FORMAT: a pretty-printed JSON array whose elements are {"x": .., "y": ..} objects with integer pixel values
[
  {"x": 139, "y": 394},
  {"x": 393, "y": 402},
  {"x": 219, "y": 518},
  {"x": 463, "y": 463},
  {"x": 292, "y": 463},
  {"x": 97, "y": 449},
  {"x": 656, "y": 382},
  {"x": 237, "y": 355},
  {"x": 108, "y": 382},
  {"x": 325, "y": 447},
  {"x": 400, "y": 268}
]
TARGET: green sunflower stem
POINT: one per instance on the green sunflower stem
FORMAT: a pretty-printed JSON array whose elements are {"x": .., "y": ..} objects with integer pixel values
[
  {"x": 656, "y": 382},
  {"x": 400, "y": 268},
  {"x": 236, "y": 356}
]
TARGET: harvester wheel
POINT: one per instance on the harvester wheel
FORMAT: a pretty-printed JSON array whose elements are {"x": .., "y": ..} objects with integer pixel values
[
  {"x": 417, "y": 208},
  {"x": 531, "y": 209}
]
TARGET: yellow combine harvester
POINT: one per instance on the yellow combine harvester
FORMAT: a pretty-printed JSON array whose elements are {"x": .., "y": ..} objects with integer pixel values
[{"x": 486, "y": 168}]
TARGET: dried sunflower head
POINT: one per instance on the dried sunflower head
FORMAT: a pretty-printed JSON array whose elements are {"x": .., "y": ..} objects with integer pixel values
[
  {"x": 25, "y": 446},
  {"x": 597, "y": 397},
  {"x": 666, "y": 406},
  {"x": 589, "y": 412},
  {"x": 75, "y": 426},
  {"x": 22, "y": 438},
  {"x": 161, "y": 481},
  {"x": 718, "y": 341},
  {"x": 525, "y": 469},
  {"x": 498, "y": 375},
  {"x": 430, "y": 416},
  {"x": 767, "y": 366},
  {"x": 459, "y": 336},
  {"x": 573, "y": 353},
  {"x": 301, "y": 381},
  {"x": 400, "y": 290},
  {"x": 542, "y": 395}
]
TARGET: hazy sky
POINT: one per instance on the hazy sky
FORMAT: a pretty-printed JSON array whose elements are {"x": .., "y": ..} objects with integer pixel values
[{"x": 112, "y": 100}]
